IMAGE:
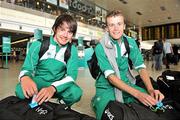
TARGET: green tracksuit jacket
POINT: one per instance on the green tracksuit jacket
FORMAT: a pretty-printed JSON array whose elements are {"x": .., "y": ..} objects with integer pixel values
[
  {"x": 104, "y": 89},
  {"x": 51, "y": 69}
]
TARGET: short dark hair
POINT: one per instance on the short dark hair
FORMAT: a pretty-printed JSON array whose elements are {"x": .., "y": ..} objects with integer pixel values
[
  {"x": 115, "y": 13},
  {"x": 67, "y": 19}
]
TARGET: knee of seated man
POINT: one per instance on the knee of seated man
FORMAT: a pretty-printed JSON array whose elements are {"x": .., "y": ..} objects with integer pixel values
[
  {"x": 76, "y": 93},
  {"x": 19, "y": 93}
]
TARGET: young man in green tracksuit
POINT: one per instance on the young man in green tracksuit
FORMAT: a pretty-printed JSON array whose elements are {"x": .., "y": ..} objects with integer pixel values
[
  {"x": 116, "y": 82},
  {"x": 50, "y": 76}
]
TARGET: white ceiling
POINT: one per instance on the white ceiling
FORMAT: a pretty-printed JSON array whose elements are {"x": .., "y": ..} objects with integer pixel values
[{"x": 150, "y": 10}]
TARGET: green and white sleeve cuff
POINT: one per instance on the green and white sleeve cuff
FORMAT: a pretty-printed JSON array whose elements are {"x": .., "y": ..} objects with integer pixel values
[
  {"x": 140, "y": 66},
  {"x": 24, "y": 73},
  {"x": 108, "y": 72}
]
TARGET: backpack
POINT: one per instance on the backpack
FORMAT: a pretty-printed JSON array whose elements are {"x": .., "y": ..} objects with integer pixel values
[
  {"x": 13, "y": 108},
  {"x": 45, "y": 45},
  {"x": 93, "y": 62},
  {"x": 136, "y": 111},
  {"x": 158, "y": 48}
]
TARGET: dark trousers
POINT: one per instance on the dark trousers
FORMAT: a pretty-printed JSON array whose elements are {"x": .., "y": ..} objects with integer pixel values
[{"x": 168, "y": 58}]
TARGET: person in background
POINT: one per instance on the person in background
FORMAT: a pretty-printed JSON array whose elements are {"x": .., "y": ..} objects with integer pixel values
[
  {"x": 161, "y": 54},
  {"x": 153, "y": 55},
  {"x": 17, "y": 54},
  {"x": 50, "y": 76},
  {"x": 158, "y": 52},
  {"x": 168, "y": 52},
  {"x": 176, "y": 54},
  {"x": 14, "y": 55},
  {"x": 116, "y": 82},
  {"x": 138, "y": 43}
]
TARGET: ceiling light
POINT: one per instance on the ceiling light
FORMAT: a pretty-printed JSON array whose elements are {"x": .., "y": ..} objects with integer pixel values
[
  {"x": 20, "y": 27},
  {"x": 23, "y": 40},
  {"x": 37, "y": 3},
  {"x": 124, "y": 2},
  {"x": 169, "y": 18},
  {"x": 81, "y": 18},
  {"x": 162, "y": 8},
  {"x": 139, "y": 13}
]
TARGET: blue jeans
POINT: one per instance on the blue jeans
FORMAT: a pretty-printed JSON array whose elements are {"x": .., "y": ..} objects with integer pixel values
[{"x": 158, "y": 61}]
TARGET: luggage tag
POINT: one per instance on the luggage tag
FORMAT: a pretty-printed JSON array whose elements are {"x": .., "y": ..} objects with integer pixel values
[
  {"x": 159, "y": 107},
  {"x": 33, "y": 103},
  {"x": 170, "y": 77}
]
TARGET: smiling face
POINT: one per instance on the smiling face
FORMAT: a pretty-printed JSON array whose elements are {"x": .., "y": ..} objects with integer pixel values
[
  {"x": 64, "y": 29},
  {"x": 115, "y": 26},
  {"x": 115, "y": 23},
  {"x": 63, "y": 34}
]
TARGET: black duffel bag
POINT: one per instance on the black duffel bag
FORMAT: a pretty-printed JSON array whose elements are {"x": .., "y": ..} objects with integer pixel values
[
  {"x": 13, "y": 108},
  {"x": 134, "y": 111},
  {"x": 169, "y": 84}
]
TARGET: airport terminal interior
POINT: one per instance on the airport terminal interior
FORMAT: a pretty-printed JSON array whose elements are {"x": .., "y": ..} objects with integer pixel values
[{"x": 147, "y": 21}]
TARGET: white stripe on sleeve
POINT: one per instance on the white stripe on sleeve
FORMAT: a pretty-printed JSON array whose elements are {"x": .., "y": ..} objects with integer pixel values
[{"x": 63, "y": 81}]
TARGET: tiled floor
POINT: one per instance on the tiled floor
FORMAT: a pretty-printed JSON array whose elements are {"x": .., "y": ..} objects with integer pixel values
[{"x": 9, "y": 78}]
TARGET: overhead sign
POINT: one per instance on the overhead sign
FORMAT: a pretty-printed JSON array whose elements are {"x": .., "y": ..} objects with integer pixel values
[
  {"x": 6, "y": 44},
  {"x": 83, "y": 7}
]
